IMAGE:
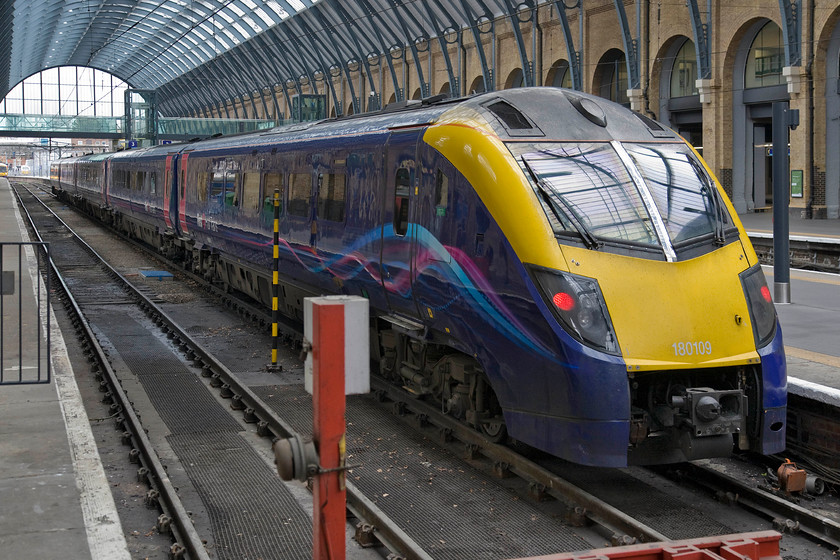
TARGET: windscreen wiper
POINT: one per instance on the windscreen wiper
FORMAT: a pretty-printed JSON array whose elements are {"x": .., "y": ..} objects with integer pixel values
[
  {"x": 720, "y": 235},
  {"x": 565, "y": 211}
]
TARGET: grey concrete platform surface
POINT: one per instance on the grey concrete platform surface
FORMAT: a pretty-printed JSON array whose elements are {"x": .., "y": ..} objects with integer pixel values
[
  {"x": 811, "y": 321},
  {"x": 55, "y": 501}
]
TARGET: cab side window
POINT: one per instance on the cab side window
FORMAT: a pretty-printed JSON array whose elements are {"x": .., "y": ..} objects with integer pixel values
[
  {"x": 401, "y": 193},
  {"x": 441, "y": 193}
]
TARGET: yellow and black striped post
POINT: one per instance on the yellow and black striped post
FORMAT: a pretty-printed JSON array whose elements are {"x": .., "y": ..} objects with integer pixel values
[{"x": 275, "y": 287}]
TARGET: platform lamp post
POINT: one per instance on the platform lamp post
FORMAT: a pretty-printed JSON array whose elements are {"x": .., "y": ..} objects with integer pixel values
[{"x": 784, "y": 119}]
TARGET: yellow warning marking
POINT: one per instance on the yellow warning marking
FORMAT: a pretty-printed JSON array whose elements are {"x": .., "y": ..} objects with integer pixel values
[
  {"x": 816, "y": 278},
  {"x": 824, "y": 359}
]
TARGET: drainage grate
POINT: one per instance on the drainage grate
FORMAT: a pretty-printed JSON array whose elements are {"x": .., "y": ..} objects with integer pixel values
[
  {"x": 450, "y": 509},
  {"x": 178, "y": 394},
  {"x": 253, "y": 514}
]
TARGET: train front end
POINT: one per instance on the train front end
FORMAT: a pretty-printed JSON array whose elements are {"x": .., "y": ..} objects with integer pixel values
[{"x": 667, "y": 344}]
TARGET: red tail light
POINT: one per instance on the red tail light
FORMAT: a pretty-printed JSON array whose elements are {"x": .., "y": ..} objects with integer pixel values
[
  {"x": 765, "y": 293},
  {"x": 563, "y": 301}
]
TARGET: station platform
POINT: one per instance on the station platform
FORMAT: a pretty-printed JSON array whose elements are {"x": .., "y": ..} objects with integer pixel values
[
  {"x": 56, "y": 500},
  {"x": 809, "y": 322}
]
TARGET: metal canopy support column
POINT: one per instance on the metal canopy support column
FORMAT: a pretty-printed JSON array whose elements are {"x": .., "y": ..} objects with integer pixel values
[
  {"x": 259, "y": 66},
  {"x": 200, "y": 94},
  {"x": 291, "y": 75},
  {"x": 228, "y": 93},
  {"x": 412, "y": 44},
  {"x": 349, "y": 21},
  {"x": 278, "y": 72},
  {"x": 574, "y": 56},
  {"x": 227, "y": 66},
  {"x": 302, "y": 56},
  {"x": 516, "y": 22},
  {"x": 399, "y": 92},
  {"x": 316, "y": 48},
  {"x": 281, "y": 44},
  {"x": 219, "y": 95},
  {"x": 441, "y": 34},
  {"x": 486, "y": 72},
  {"x": 791, "y": 31},
  {"x": 702, "y": 43},
  {"x": 631, "y": 47}
]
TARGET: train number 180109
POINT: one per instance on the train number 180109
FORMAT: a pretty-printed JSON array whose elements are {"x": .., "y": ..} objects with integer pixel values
[{"x": 702, "y": 347}]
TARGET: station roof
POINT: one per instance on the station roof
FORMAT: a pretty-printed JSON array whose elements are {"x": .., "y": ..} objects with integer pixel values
[
  {"x": 143, "y": 42},
  {"x": 251, "y": 44}
]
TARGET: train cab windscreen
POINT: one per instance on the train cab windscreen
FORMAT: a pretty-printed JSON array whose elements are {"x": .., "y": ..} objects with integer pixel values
[{"x": 650, "y": 199}]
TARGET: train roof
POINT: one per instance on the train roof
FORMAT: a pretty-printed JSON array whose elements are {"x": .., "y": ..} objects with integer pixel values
[{"x": 536, "y": 114}]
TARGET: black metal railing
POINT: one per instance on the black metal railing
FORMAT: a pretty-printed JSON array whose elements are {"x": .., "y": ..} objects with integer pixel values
[{"x": 24, "y": 313}]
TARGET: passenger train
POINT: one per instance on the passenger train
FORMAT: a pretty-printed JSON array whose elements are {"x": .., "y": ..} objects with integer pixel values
[
  {"x": 543, "y": 264},
  {"x": 4, "y": 170}
]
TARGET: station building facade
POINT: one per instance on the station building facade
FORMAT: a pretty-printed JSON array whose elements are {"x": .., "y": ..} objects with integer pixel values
[{"x": 726, "y": 115}]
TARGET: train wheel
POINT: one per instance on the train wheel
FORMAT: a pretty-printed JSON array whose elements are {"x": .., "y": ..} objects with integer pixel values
[{"x": 495, "y": 430}]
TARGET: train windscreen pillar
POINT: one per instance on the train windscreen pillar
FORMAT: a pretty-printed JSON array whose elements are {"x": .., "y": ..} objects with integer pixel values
[
  {"x": 275, "y": 287},
  {"x": 338, "y": 364}
]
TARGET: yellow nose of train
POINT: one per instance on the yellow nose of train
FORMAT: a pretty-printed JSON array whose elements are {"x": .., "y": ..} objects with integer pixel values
[{"x": 674, "y": 315}]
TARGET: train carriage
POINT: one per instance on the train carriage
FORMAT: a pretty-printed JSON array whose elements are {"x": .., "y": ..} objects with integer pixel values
[{"x": 540, "y": 262}]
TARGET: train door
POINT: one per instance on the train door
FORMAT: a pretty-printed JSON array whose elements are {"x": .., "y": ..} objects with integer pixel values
[
  {"x": 434, "y": 232},
  {"x": 170, "y": 192},
  {"x": 181, "y": 185},
  {"x": 399, "y": 232}
]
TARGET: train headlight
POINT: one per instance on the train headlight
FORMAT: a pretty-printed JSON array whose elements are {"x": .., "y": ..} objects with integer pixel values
[
  {"x": 760, "y": 302},
  {"x": 577, "y": 303}
]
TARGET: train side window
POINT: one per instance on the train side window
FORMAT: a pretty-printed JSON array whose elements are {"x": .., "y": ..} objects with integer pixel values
[
  {"x": 202, "y": 185},
  {"x": 153, "y": 182},
  {"x": 217, "y": 188},
  {"x": 441, "y": 193},
  {"x": 401, "y": 192},
  {"x": 232, "y": 189},
  {"x": 251, "y": 191},
  {"x": 272, "y": 182},
  {"x": 119, "y": 178},
  {"x": 300, "y": 194},
  {"x": 331, "y": 197}
]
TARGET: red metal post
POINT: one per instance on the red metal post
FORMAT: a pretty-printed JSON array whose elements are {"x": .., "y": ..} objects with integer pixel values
[{"x": 330, "y": 496}]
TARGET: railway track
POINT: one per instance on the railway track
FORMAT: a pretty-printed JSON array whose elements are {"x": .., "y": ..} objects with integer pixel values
[
  {"x": 581, "y": 508},
  {"x": 72, "y": 251}
]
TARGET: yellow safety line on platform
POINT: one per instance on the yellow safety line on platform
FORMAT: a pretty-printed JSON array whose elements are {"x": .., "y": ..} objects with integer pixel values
[
  {"x": 823, "y": 278},
  {"x": 794, "y": 233},
  {"x": 824, "y": 359}
]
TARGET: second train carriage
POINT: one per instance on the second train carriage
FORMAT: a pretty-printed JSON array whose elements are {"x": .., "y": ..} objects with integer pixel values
[{"x": 539, "y": 261}]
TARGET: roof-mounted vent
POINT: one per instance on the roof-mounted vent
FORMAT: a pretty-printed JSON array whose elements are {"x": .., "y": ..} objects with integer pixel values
[
  {"x": 588, "y": 108},
  {"x": 656, "y": 129},
  {"x": 512, "y": 117},
  {"x": 649, "y": 122},
  {"x": 514, "y": 120}
]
